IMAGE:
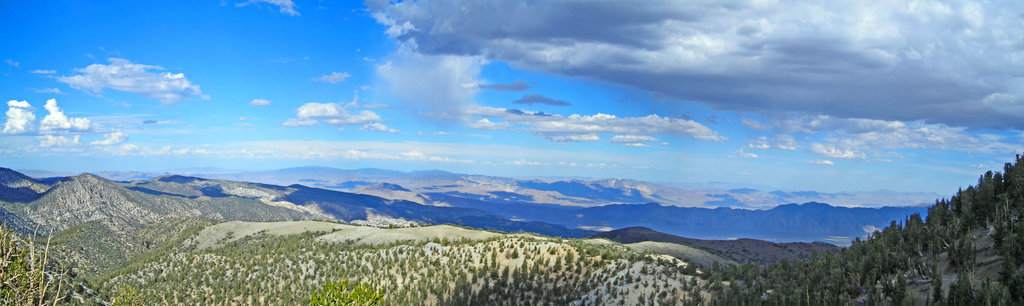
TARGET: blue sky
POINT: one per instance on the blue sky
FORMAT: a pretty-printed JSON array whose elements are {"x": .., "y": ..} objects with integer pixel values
[{"x": 837, "y": 96}]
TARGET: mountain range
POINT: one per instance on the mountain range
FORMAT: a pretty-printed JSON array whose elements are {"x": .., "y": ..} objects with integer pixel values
[
  {"x": 547, "y": 190},
  {"x": 571, "y": 208}
]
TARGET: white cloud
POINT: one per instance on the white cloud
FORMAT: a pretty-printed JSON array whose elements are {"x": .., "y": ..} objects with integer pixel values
[
  {"x": 575, "y": 127},
  {"x": 299, "y": 122},
  {"x": 57, "y": 121},
  {"x": 123, "y": 75},
  {"x": 259, "y": 102},
  {"x": 378, "y": 127},
  {"x": 832, "y": 151},
  {"x": 336, "y": 114},
  {"x": 42, "y": 71},
  {"x": 57, "y": 141},
  {"x": 823, "y": 162},
  {"x": 333, "y": 78},
  {"x": 286, "y": 7},
  {"x": 637, "y": 145},
  {"x": 866, "y": 135},
  {"x": 13, "y": 63},
  {"x": 484, "y": 124},
  {"x": 743, "y": 154},
  {"x": 573, "y": 138},
  {"x": 111, "y": 139},
  {"x": 778, "y": 142},
  {"x": 523, "y": 162},
  {"x": 825, "y": 123},
  {"x": 640, "y": 141},
  {"x": 20, "y": 117}
]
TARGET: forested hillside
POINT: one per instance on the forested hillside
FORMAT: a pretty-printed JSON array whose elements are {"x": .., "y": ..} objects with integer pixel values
[
  {"x": 969, "y": 250},
  {"x": 283, "y": 263}
]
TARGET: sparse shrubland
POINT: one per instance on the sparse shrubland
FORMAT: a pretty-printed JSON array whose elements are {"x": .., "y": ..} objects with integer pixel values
[{"x": 289, "y": 269}]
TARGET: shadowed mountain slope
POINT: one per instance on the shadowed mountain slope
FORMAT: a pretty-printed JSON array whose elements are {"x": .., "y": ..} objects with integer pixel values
[{"x": 739, "y": 250}]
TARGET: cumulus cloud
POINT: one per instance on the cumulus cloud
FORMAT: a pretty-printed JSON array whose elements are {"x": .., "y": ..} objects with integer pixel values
[
  {"x": 20, "y": 117},
  {"x": 576, "y": 127},
  {"x": 333, "y": 78},
  {"x": 378, "y": 127},
  {"x": 634, "y": 140},
  {"x": 517, "y": 85},
  {"x": 123, "y": 75},
  {"x": 57, "y": 141},
  {"x": 336, "y": 114},
  {"x": 484, "y": 124},
  {"x": 900, "y": 60},
  {"x": 286, "y": 7},
  {"x": 832, "y": 151},
  {"x": 57, "y": 121},
  {"x": 111, "y": 139},
  {"x": 539, "y": 99},
  {"x": 259, "y": 102},
  {"x": 778, "y": 142}
]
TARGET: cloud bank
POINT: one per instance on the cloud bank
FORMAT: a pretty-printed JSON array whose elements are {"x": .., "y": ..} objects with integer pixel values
[
  {"x": 123, "y": 75},
  {"x": 950, "y": 62}
]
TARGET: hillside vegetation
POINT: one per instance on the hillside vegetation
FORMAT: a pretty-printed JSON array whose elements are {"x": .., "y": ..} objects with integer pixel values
[
  {"x": 285, "y": 263},
  {"x": 969, "y": 250}
]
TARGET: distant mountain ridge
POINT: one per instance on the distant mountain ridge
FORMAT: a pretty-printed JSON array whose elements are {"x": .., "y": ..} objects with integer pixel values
[
  {"x": 101, "y": 223},
  {"x": 785, "y": 223},
  {"x": 560, "y": 191},
  {"x": 575, "y": 206}
]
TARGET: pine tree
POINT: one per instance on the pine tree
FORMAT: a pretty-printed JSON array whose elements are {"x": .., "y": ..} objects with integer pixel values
[{"x": 937, "y": 288}]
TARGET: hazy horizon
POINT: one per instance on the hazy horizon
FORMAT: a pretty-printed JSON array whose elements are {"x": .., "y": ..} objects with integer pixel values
[
  {"x": 709, "y": 185},
  {"x": 667, "y": 93}
]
